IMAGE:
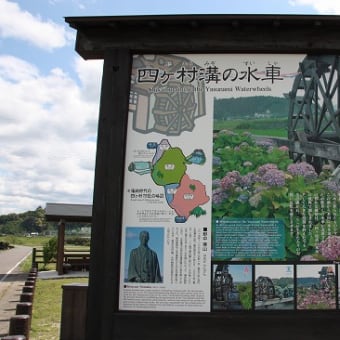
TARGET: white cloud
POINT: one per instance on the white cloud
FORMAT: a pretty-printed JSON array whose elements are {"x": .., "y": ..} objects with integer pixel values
[
  {"x": 20, "y": 24},
  {"x": 47, "y": 134},
  {"x": 321, "y": 6},
  {"x": 15, "y": 69}
]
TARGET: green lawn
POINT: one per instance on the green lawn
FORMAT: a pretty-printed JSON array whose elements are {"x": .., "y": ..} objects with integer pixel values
[
  {"x": 48, "y": 293},
  {"x": 264, "y": 127},
  {"x": 47, "y": 308},
  {"x": 35, "y": 241}
]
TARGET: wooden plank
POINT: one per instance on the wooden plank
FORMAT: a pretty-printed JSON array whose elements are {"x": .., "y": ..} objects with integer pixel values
[
  {"x": 68, "y": 212},
  {"x": 207, "y": 33},
  {"x": 263, "y": 325}
]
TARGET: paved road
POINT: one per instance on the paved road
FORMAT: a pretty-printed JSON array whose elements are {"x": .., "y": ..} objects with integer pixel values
[
  {"x": 11, "y": 258},
  {"x": 11, "y": 282}
]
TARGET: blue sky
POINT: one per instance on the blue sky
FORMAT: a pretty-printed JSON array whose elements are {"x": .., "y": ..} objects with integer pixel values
[{"x": 49, "y": 96}]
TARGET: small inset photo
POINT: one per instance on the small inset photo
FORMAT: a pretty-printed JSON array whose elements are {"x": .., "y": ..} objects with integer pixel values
[
  {"x": 316, "y": 286},
  {"x": 274, "y": 286},
  {"x": 144, "y": 255},
  {"x": 231, "y": 287}
]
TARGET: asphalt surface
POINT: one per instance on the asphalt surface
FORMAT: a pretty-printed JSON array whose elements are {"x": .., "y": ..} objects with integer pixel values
[
  {"x": 11, "y": 258},
  {"x": 11, "y": 282}
]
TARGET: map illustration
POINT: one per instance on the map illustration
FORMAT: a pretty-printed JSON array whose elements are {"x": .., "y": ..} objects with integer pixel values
[
  {"x": 168, "y": 169},
  {"x": 160, "y": 101}
]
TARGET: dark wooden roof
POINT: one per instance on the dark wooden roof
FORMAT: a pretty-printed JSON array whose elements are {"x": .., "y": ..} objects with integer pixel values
[
  {"x": 206, "y": 33},
  {"x": 68, "y": 212}
]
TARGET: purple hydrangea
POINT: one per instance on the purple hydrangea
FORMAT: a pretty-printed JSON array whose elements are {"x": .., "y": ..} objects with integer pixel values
[
  {"x": 218, "y": 196},
  {"x": 227, "y": 182},
  {"x": 331, "y": 186},
  {"x": 216, "y": 183},
  {"x": 266, "y": 167},
  {"x": 249, "y": 179},
  {"x": 302, "y": 169},
  {"x": 274, "y": 178},
  {"x": 330, "y": 248}
]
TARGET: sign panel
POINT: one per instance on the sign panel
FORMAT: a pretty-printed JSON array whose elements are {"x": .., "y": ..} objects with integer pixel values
[{"x": 230, "y": 202}]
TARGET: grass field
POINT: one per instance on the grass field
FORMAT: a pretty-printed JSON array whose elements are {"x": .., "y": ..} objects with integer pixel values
[
  {"x": 47, "y": 308},
  {"x": 36, "y": 241},
  {"x": 46, "y": 313},
  {"x": 263, "y": 127}
]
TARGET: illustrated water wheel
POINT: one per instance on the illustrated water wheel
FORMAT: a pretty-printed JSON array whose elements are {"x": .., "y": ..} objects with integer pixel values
[
  {"x": 314, "y": 112},
  {"x": 174, "y": 109}
]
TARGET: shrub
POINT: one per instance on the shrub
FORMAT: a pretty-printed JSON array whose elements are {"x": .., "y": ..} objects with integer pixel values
[
  {"x": 78, "y": 241},
  {"x": 50, "y": 250}
]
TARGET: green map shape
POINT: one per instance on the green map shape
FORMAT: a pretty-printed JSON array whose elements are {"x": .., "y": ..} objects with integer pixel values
[{"x": 170, "y": 168}]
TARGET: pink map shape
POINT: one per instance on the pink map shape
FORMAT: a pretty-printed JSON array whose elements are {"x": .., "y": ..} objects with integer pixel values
[{"x": 186, "y": 198}]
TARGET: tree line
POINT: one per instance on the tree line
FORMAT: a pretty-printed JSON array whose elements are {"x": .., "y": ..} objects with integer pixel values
[
  {"x": 245, "y": 107},
  {"x": 30, "y": 222}
]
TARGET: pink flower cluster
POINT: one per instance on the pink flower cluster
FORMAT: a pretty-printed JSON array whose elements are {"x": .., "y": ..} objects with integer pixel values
[
  {"x": 230, "y": 180},
  {"x": 319, "y": 299},
  {"x": 330, "y": 248},
  {"x": 284, "y": 148}
]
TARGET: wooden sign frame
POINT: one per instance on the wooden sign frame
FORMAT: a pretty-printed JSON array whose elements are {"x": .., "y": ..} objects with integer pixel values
[{"x": 116, "y": 40}]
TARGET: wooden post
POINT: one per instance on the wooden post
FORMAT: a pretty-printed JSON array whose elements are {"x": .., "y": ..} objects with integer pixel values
[
  {"x": 73, "y": 313},
  {"x": 60, "y": 249},
  {"x": 107, "y": 203}
]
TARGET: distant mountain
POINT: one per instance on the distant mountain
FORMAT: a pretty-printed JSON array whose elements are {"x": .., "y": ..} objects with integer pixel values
[
  {"x": 250, "y": 107},
  {"x": 283, "y": 281},
  {"x": 308, "y": 281}
]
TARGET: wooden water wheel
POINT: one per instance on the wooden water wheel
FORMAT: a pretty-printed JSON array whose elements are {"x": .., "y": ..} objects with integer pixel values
[{"x": 314, "y": 112}]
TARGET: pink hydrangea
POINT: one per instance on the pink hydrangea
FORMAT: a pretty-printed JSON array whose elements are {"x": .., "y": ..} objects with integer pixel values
[
  {"x": 284, "y": 148},
  {"x": 230, "y": 180},
  {"x": 330, "y": 248}
]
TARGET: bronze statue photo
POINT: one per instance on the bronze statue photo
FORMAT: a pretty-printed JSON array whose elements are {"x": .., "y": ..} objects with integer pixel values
[{"x": 143, "y": 262}]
